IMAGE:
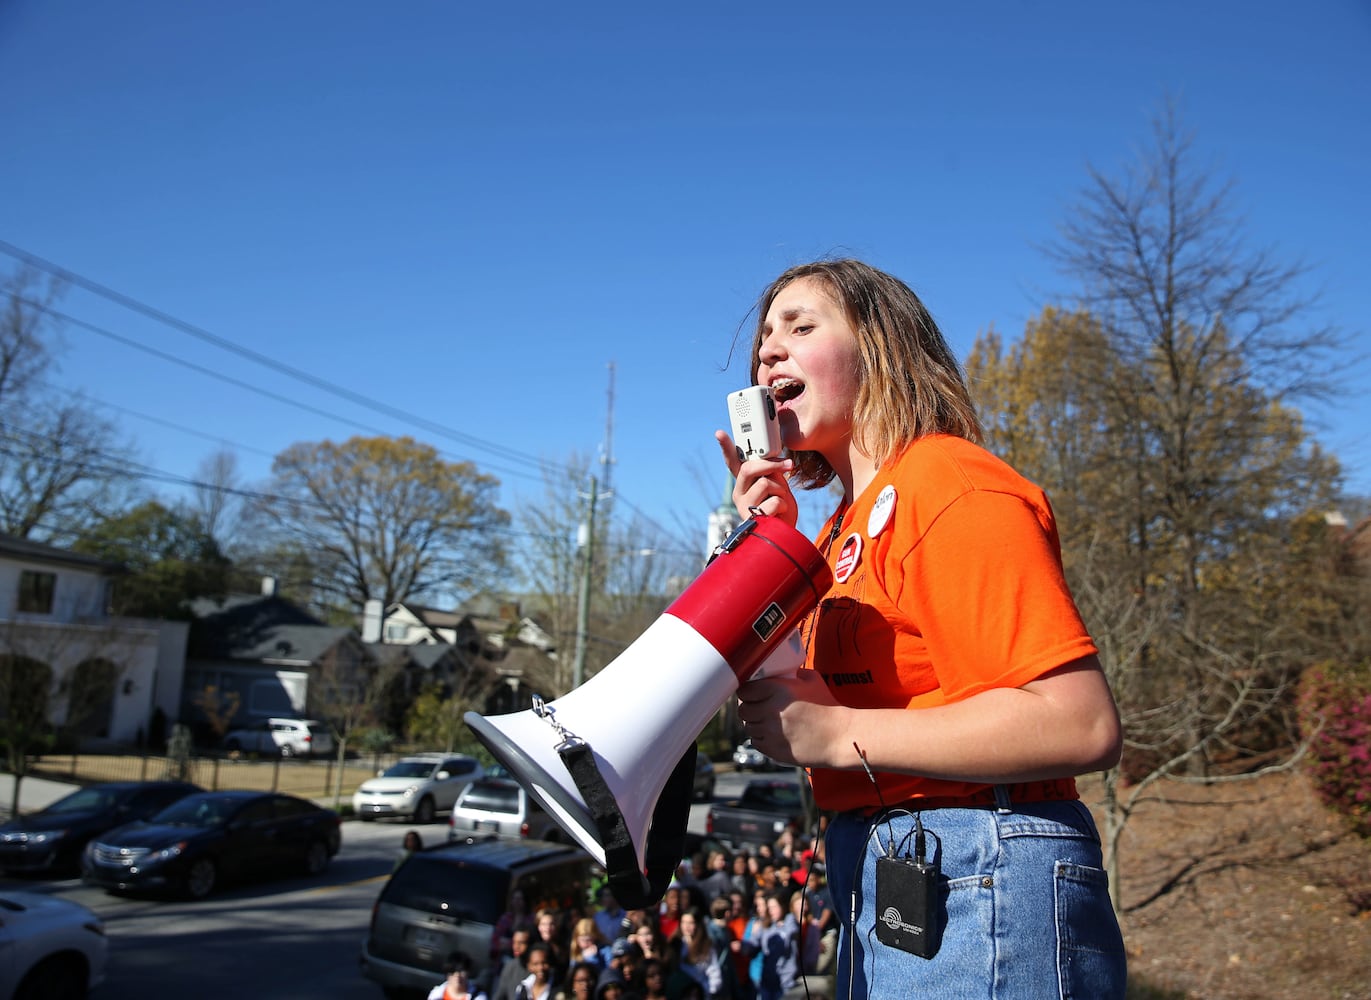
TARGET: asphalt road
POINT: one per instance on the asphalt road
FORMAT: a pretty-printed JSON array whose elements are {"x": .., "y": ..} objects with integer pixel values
[{"x": 297, "y": 937}]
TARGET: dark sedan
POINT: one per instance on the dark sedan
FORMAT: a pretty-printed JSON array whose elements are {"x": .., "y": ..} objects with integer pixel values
[
  {"x": 51, "y": 840},
  {"x": 214, "y": 837}
]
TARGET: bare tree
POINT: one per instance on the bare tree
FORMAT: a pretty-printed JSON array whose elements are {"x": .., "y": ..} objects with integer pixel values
[
  {"x": 635, "y": 569},
  {"x": 1160, "y": 418},
  {"x": 60, "y": 464},
  {"x": 349, "y": 691},
  {"x": 217, "y": 500}
]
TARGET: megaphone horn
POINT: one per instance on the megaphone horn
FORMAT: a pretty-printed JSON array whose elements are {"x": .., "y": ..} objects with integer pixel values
[{"x": 599, "y": 758}]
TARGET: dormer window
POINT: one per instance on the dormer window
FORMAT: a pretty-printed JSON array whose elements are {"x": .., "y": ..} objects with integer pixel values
[{"x": 36, "y": 590}]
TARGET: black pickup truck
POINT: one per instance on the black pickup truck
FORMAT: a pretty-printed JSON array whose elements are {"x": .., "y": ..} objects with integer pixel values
[{"x": 759, "y": 815}]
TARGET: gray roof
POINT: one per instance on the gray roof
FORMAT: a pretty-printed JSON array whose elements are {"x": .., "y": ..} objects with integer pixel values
[
  {"x": 30, "y": 551},
  {"x": 256, "y": 627}
]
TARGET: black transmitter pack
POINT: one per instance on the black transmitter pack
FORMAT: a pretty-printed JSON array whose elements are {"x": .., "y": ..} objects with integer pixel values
[{"x": 907, "y": 913}]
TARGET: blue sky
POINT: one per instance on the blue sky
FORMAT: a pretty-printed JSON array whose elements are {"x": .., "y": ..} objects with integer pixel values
[{"x": 467, "y": 212}]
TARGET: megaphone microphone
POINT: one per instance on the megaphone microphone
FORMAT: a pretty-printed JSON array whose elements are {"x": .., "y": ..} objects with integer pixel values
[{"x": 613, "y": 761}]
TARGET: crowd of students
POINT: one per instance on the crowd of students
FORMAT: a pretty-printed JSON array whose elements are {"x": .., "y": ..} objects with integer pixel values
[{"x": 746, "y": 925}]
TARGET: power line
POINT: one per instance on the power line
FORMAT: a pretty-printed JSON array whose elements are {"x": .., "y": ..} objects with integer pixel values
[
  {"x": 357, "y": 398},
  {"x": 231, "y": 380},
  {"x": 318, "y": 382},
  {"x": 118, "y": 465}
]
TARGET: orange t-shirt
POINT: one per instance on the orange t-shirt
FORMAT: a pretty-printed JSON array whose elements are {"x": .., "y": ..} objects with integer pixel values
[{"x": 949, "y": 582}]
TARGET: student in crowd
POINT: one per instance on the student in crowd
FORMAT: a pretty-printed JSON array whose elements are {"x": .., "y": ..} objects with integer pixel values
[
  {"x": 548, "y": 924},
  {"x": 696, "y": 955},
  {"x": 654, "y": 980},
  {"x": 669, "y": 912},
  {"x": 609, "y": 918},
  {"x": 513, "y": 969},
  {"x": 587, "y": 945},
  {"x": 538, "y": 984},
  {"x": 776, "y": 965},
  {"x": 514, "y": 918},
  {"x": 456, "y": 984},
  {"x": 646, "y": 936},
  {"x": 411, "y": 843},
  {"x": 580, "y": 982},
  {"x": 611, "y": 986}
]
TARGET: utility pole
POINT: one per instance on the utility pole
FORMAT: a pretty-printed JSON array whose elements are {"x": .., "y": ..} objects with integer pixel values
[
  {"x": 587, "y": 547},
  {"x": 586, "y": 542}
]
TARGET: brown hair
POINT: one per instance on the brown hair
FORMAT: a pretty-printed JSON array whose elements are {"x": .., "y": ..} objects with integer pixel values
[{"x": 911, "y": 383}]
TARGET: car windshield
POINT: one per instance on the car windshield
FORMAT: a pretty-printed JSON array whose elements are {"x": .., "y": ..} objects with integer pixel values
[
  {"x": 86, "y": 800},
  {"x": 409, "y": 769},
  {"x": 198, "y": 810}
]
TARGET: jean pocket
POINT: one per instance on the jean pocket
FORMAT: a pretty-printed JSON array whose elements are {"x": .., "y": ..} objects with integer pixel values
[{"x": 1091, "y": 964}]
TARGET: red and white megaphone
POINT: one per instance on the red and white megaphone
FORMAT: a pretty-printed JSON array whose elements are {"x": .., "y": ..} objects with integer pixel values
[{"x": 599, "y": 758}]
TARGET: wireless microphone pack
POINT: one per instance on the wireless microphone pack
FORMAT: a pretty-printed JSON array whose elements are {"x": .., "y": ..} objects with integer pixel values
[{"x": 907, "y": 905}]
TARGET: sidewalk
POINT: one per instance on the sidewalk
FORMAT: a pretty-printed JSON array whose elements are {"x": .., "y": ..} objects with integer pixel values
[{"x": 34, "y": 793}]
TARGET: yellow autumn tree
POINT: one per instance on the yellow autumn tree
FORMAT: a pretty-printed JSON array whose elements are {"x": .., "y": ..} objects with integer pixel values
[{"x": 387, "y": 518}]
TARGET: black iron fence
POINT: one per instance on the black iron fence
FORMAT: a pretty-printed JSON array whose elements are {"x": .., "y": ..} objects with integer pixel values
[{"x": 317, "y": 778}]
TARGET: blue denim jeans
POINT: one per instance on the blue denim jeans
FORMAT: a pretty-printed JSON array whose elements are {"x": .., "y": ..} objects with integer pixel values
[{"x": 1023, "y": 900}]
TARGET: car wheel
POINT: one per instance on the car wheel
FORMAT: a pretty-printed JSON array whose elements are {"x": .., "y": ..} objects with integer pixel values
[
  {"x": 58, "y": 978},
  {"x": 316, "y": 857},
  {"x": 201, "y": 878},
  {"x": 287, "y": 750},
  {"x": 424, "y": 811}
]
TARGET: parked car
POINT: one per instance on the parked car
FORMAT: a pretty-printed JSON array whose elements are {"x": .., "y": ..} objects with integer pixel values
[
  {"x": 50, "y": 841},
  {"x": 746, "y": 757},
  {"x": 49, "y": 947},
  {"x": 758, "y": 816},
  {"x": 203, "y": 840},
  {"x": 500, "y": 806},
  {"x": 448, "y": 899},
  {"x": 704, "y": 777},
  {"x": 287, "y": 737},
  {"x": 417, "y": 787}
]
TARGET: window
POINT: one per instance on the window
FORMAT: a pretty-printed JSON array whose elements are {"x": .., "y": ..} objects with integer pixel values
[
  {"x": 36, "y": 590},
  {"x": 397, "y": 632}
]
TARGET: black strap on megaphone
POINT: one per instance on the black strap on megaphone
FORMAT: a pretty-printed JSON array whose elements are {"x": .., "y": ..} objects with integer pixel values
[{"x": 635, "y": 887}]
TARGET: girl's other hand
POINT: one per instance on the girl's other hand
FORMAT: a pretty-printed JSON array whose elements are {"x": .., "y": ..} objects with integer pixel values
[{"x": 795, "y": 720}]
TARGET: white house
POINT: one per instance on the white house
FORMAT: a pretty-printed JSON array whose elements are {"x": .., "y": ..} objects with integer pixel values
[{"x": 108, "y": 675}]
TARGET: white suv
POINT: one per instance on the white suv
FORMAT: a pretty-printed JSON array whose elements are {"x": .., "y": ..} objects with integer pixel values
[
  {"x": 417, "y": 786},
  {"x": 287, "y": 737}
]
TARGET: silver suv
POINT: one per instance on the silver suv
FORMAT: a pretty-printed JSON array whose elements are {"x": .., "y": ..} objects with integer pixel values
[
  {"x": 417, "y": 787},
  {"x": 448, "y": 899},
  {"x": 501, "y": 806}
]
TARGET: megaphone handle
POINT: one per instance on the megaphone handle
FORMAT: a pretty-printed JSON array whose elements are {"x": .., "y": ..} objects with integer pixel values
[{"x": 635, "y": 888}]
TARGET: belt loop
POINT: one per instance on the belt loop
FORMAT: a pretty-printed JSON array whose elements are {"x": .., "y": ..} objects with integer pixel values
[{"x": 1002, "y": 805}]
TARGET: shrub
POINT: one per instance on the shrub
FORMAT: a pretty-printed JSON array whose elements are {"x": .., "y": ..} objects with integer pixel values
[{"x": 1335, "y": 708}]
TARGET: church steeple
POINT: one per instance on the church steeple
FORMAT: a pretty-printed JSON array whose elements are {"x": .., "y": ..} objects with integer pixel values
[{"x": 723, "y": 519}]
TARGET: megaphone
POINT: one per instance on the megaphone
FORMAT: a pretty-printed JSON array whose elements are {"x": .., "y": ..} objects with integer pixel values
[{"x": 599, "y": 758}]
